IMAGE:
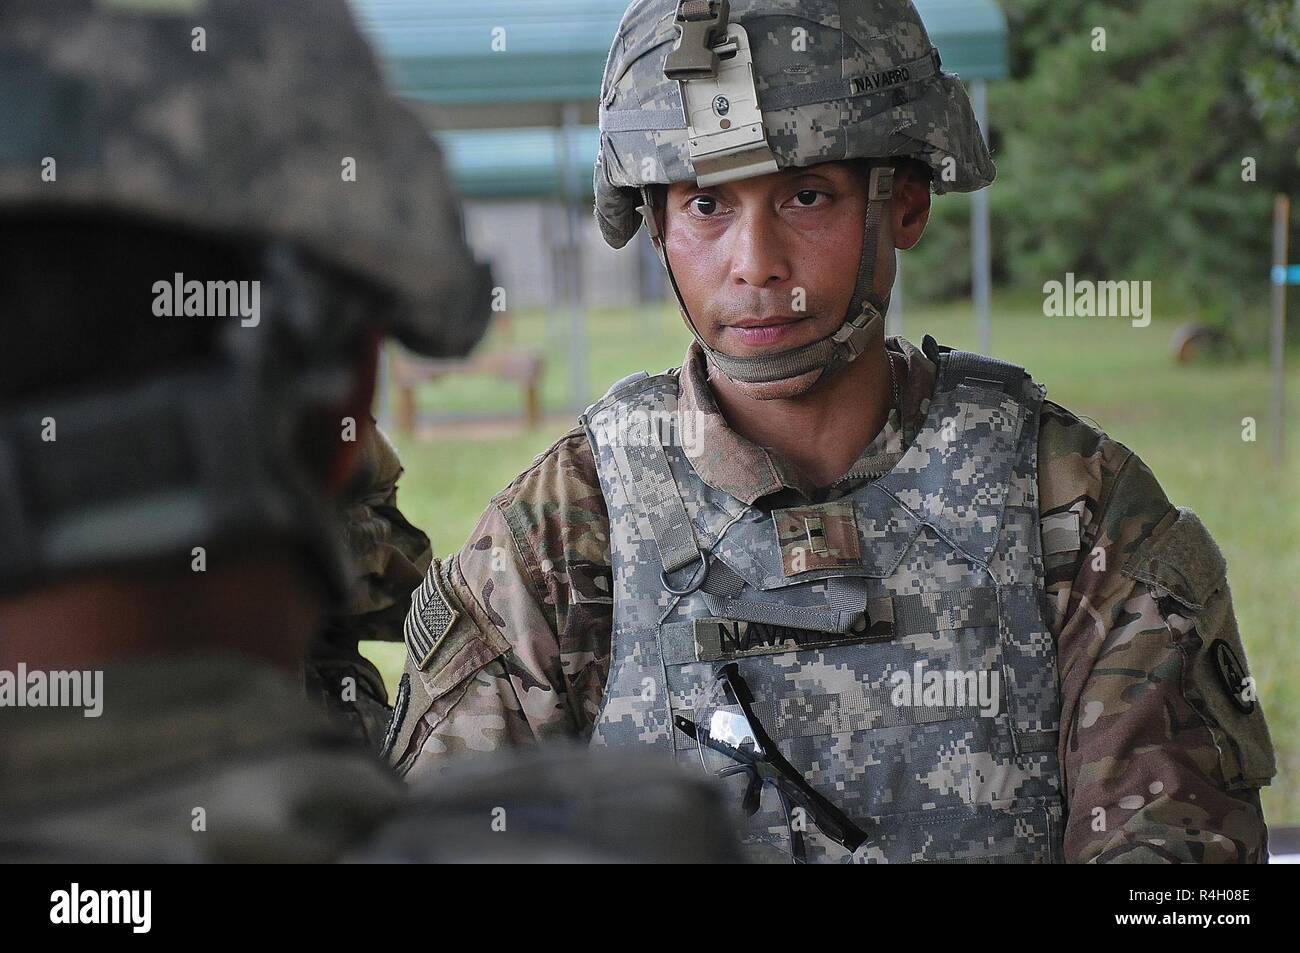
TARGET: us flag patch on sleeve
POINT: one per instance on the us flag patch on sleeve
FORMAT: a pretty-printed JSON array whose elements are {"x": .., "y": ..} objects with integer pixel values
[{"x": 432, "y": 616}]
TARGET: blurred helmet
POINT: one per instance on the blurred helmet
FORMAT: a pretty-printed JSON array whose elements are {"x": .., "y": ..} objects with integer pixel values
[
  {"x": 709, "y": 92},
  {"x": 264, "y": 125},
  {"x": 255, "y": 136}
]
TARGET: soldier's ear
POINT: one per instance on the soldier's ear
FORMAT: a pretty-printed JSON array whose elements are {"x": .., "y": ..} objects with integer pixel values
[
  {"x": 910, "y": 208},
  {"x": 351, "y": 428}
]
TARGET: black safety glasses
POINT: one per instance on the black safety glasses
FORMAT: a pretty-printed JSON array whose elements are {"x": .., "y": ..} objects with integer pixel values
[{"x": 728, "y": 726}]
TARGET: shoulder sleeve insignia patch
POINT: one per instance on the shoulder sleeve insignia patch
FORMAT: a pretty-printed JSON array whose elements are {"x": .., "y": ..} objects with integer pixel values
[
  {"x": 1232, "y": 674},
  {"x": 433, "y": 615}
]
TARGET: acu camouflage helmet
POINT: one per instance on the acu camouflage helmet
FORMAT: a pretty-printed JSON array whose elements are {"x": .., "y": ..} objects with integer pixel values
[
  {"x": 708, "y": 91},
  {"x": 243, "y": 133},
  {"x": 248, "y": 137}
]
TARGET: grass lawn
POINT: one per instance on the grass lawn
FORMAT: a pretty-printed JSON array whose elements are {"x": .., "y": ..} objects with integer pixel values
[{"x": 1186, "y": 423}]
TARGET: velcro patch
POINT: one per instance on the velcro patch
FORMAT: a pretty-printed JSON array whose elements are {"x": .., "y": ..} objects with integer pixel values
[
  {"x": 824, "y": 536},
  {"x": 590, "y": 582},
  {"x": 1183, "y": 561},
  {"x": 1232, "y": 674},
  {"x": 1060, "y": 533}
]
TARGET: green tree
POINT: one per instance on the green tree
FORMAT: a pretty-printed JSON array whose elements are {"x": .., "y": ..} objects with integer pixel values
[
  {"x": 1274, "y": 81},
  {"x": 1126, "y": 163}
]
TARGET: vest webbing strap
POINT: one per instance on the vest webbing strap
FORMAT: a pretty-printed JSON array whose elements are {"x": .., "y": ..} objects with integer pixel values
[
  {"x": 662, "y": 505},
  {"x": 723, "y": 581},
  {"x": 777, "y": 613},
  {"x": 1032, "y": 742},
  {"x": 942, "y": 611}
]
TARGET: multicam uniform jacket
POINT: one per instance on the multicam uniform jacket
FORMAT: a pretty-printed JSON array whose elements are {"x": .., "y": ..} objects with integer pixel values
[{"x": 510, "y": 639}]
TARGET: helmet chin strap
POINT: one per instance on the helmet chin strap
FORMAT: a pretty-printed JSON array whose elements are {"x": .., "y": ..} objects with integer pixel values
[{"x": 866, "y": 311}]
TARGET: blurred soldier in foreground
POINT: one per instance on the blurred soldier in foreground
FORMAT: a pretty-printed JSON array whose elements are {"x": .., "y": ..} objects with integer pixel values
[
  {"x": 193, "y": 297},
  {"x": 910, "y": 609}
]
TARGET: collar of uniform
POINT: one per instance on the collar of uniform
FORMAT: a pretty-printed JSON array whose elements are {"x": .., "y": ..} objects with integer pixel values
[
  {"x": 915, "y": 387},
  {"x": 734, "y": 465}
]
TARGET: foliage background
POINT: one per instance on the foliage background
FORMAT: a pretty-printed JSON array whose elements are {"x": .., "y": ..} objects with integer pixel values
[{"x": 1127, "y": 164}]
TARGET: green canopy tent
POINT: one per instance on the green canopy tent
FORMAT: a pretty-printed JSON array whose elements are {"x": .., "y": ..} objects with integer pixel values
[
  {"x": 511, "y": 86},
  {"x": 551, "y": 52}
]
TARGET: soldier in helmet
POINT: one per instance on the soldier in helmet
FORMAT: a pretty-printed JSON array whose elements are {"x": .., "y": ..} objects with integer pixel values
[
  {"x": 193, "y": 298},
  {"x": 908, "y": 608}
]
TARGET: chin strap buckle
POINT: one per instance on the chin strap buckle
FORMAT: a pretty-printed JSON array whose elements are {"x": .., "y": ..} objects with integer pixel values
[
  {"x": 852, "y": 337},
  {"x": 855, "y": 333}
]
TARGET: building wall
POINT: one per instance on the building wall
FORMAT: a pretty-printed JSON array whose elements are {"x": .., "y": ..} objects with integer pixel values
[{"x": 525, "y": 241}]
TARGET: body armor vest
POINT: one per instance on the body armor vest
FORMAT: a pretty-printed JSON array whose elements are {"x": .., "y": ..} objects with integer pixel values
[{"x": 894, "y": 639}]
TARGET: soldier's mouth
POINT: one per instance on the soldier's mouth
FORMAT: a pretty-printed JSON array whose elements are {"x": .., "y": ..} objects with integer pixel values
[{"x": 770, "y": 330}]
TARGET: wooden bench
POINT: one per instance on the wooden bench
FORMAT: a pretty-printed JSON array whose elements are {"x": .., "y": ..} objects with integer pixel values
[{"x": 521, "y": 367}]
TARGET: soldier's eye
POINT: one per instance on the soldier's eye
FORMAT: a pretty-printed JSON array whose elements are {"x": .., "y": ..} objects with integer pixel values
[
  {"x": 704, "y": 205},
  {"x": 807, "y": 198}
]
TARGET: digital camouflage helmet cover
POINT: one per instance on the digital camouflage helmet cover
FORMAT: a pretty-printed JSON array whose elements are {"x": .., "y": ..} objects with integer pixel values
[
  {"x": 709, "y": 92},
  {"x": 237, "y": 119}
]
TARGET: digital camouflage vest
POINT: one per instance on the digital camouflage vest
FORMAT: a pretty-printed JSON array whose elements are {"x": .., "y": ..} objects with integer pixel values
[{"x": 894, "y": 639}]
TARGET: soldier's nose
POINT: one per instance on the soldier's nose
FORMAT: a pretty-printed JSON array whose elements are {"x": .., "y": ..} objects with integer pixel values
[{"x": 758, "y": 257}]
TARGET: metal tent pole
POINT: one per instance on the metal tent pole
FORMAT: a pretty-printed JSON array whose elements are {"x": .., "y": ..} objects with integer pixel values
[
  {"x": 981, "y": 266},
  {"x": 578, "y": 330},
  {"x": 1281, "y": 252}
]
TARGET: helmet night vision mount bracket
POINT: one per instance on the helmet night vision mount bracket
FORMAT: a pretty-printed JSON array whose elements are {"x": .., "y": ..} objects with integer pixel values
[{"x": 714, "y": 68}]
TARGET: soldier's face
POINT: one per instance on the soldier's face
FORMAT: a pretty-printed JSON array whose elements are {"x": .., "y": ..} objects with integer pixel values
[{"x": 768, "y": 263}]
